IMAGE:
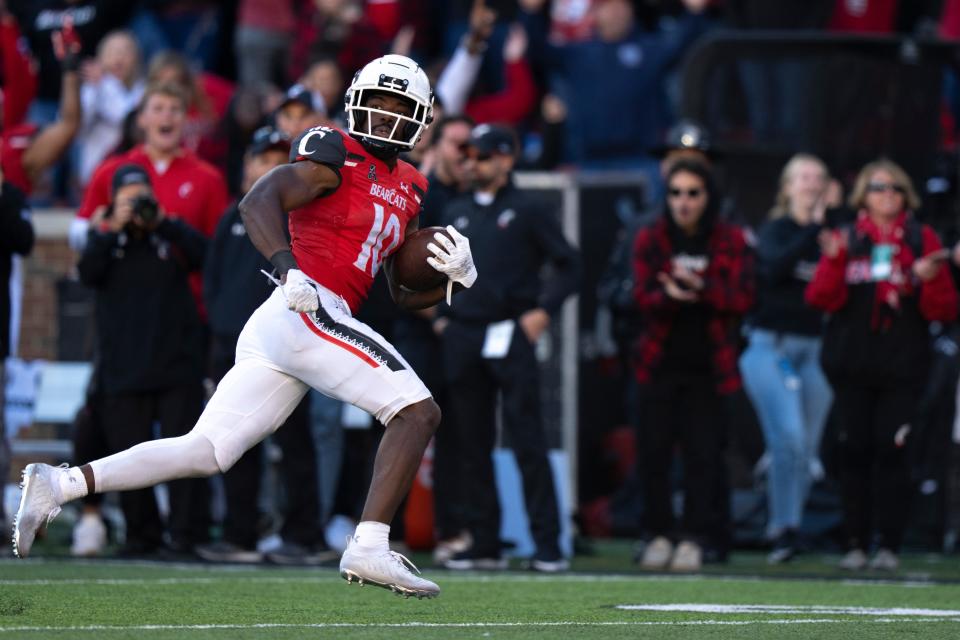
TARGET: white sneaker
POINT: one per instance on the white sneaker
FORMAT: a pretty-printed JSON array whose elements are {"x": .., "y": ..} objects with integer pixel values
[
  {"x": 39, "y": 504},
  {"x": 657, "y": 553},
  {"x": 853, "y": 560},
  {"x": 688, "y": 557},
  {"x": 89, "y": 536},
  {"x": 387, "y": 569},
  {"x": 885, "y": 560},
  {"x": 446, "y": 549}
]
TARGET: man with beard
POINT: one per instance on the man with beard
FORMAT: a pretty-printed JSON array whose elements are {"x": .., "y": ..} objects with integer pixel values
[{"x": 488, "y": 342}]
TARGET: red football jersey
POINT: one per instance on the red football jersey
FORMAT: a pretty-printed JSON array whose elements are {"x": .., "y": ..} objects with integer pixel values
[{"x": 341, "y": 239}]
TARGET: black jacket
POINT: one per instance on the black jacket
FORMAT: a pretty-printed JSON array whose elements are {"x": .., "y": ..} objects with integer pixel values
[
  {"x": 149, "y": 332},
  {"x": 439, "y": 195},
  {"x": 787, "y": 255},
  {"x": 511, "y": 240},
  {"x": 233, "y": 286},
  {"x": 16, "y": 237}
]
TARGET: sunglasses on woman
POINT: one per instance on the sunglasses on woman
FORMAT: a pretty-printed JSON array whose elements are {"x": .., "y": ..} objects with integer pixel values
[
  {"x": 882, "y": 187},
  {"x": 690, "y": 193}
]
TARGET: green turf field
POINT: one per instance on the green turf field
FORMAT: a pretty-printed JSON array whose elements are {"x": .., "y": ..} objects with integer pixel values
[{"x": 60, "y": 598}]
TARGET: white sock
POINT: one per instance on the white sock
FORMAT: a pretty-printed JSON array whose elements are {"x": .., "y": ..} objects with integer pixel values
[
  {"x": 72, "y": 484},
  {"x": 372, "y": 536}
]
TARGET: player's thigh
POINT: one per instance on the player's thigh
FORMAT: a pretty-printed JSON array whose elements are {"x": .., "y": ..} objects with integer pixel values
[
  {"x": 251, "y": 401},
  {"x": 334, "y": 353},
  {"x": 349, "y": 361}
]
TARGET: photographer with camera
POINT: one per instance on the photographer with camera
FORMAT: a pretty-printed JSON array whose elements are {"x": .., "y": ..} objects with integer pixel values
[{"x": 149, "y": 347}]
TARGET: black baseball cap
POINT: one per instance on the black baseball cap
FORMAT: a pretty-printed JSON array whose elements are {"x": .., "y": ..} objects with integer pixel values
[
  {"x": 300, "y": 95},
  {"x": 267, "y": 138},
  {"x": 492, "y": 138},
  {"x": 127, "y": 174},
  {"x": 686, "y": 134}
]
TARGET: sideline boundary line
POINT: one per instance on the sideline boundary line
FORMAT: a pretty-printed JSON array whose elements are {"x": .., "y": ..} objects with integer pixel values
[{"x": 467, "y": 625}]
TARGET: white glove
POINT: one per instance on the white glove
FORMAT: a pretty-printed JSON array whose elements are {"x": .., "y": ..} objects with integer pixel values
[
  {"x": 454, "y": 260},
  {"x": 301, "y": 295}
]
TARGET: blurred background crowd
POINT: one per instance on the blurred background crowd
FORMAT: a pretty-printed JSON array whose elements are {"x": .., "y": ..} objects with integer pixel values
[{"x": 767, "y": 219}]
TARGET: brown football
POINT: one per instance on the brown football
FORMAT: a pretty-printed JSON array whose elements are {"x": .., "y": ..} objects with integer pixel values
[{"x": 410, "y": 267}]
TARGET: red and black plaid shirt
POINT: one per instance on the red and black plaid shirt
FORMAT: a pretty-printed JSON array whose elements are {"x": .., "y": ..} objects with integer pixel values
[{"x": 728, "y": 292}]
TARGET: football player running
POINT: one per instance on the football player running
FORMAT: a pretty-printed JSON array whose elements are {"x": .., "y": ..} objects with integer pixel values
[{"x": 352, "y": 202}]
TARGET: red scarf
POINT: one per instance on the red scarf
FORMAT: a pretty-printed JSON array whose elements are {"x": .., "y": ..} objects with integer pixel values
[{"x": 899, "y": 283}]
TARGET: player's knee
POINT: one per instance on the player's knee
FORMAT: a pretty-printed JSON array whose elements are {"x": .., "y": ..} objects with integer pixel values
[
  {"x": 203, "y": 457},
  {"x": 429, "y": 414},
  {"x": 423, "y": 416}
]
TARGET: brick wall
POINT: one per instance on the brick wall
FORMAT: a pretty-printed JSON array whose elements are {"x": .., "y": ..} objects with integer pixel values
[{"x": 51, "y": 260}]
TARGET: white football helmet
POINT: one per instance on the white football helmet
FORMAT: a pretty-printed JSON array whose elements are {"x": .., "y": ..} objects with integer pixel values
[{"x": 397, "y": 75}]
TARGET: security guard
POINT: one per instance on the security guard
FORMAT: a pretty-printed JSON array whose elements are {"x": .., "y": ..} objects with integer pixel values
[{"x": 488, "y": 341}]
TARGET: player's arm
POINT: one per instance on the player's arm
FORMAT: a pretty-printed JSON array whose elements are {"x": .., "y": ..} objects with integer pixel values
[
  {"x": 405, "y": 298},
  {"x": 283, "y": 189},
  {"x": 315, "y": 161},
  {"x": 53, "y": 141}
]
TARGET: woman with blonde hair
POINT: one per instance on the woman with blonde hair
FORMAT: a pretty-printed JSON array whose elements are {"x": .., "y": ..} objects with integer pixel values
[
  {"x": 781, "y": 368},
  {"x": 882, "y": 280}
]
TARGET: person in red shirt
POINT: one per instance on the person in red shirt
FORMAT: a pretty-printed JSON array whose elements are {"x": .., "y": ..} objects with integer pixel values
[
  {"x": 208, "y": 98},
  {"x": 26, "y": 150},
  {"x": 19, "y": 73},
  {"x": 883, "y": 280},
  {"x": 352, "y": 202},
  {"x": 187, "y": 187}
]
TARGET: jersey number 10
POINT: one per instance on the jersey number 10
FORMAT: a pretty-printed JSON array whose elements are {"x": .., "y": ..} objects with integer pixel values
[{"x": 372, "y": 252}]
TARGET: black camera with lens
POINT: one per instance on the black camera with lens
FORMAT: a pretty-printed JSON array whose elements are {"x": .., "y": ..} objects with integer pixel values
[{"x": 145, "y": 208}]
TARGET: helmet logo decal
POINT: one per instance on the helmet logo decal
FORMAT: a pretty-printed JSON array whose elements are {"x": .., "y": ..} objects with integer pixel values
[
  {"x": 372, "y": 174},
  {"x": 397, "y": 84}
]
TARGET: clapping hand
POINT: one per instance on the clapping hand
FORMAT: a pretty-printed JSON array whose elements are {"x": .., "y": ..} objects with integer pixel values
[
  {"x": 688, "y": 278},
  {"x": 926, "y": 268},
  {"x": 675, "y": 291},
  {"x": 831, "y": 242},
  {"x": 67, "y": 45},
  {"x": 516, "y": 43},
  {"x": 482, "y": 19}
]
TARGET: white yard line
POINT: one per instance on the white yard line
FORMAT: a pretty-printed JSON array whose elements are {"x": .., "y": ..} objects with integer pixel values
[
  {"x": 790, "y": 609},
  {"x": 458, "y": 625}
]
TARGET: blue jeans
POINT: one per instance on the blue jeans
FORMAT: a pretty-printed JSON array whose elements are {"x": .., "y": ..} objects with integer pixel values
[{"x": 782, "y": 376}]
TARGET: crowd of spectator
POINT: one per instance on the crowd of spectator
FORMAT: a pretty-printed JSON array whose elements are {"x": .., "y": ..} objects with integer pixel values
[{"x": 150, "y": 117}]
